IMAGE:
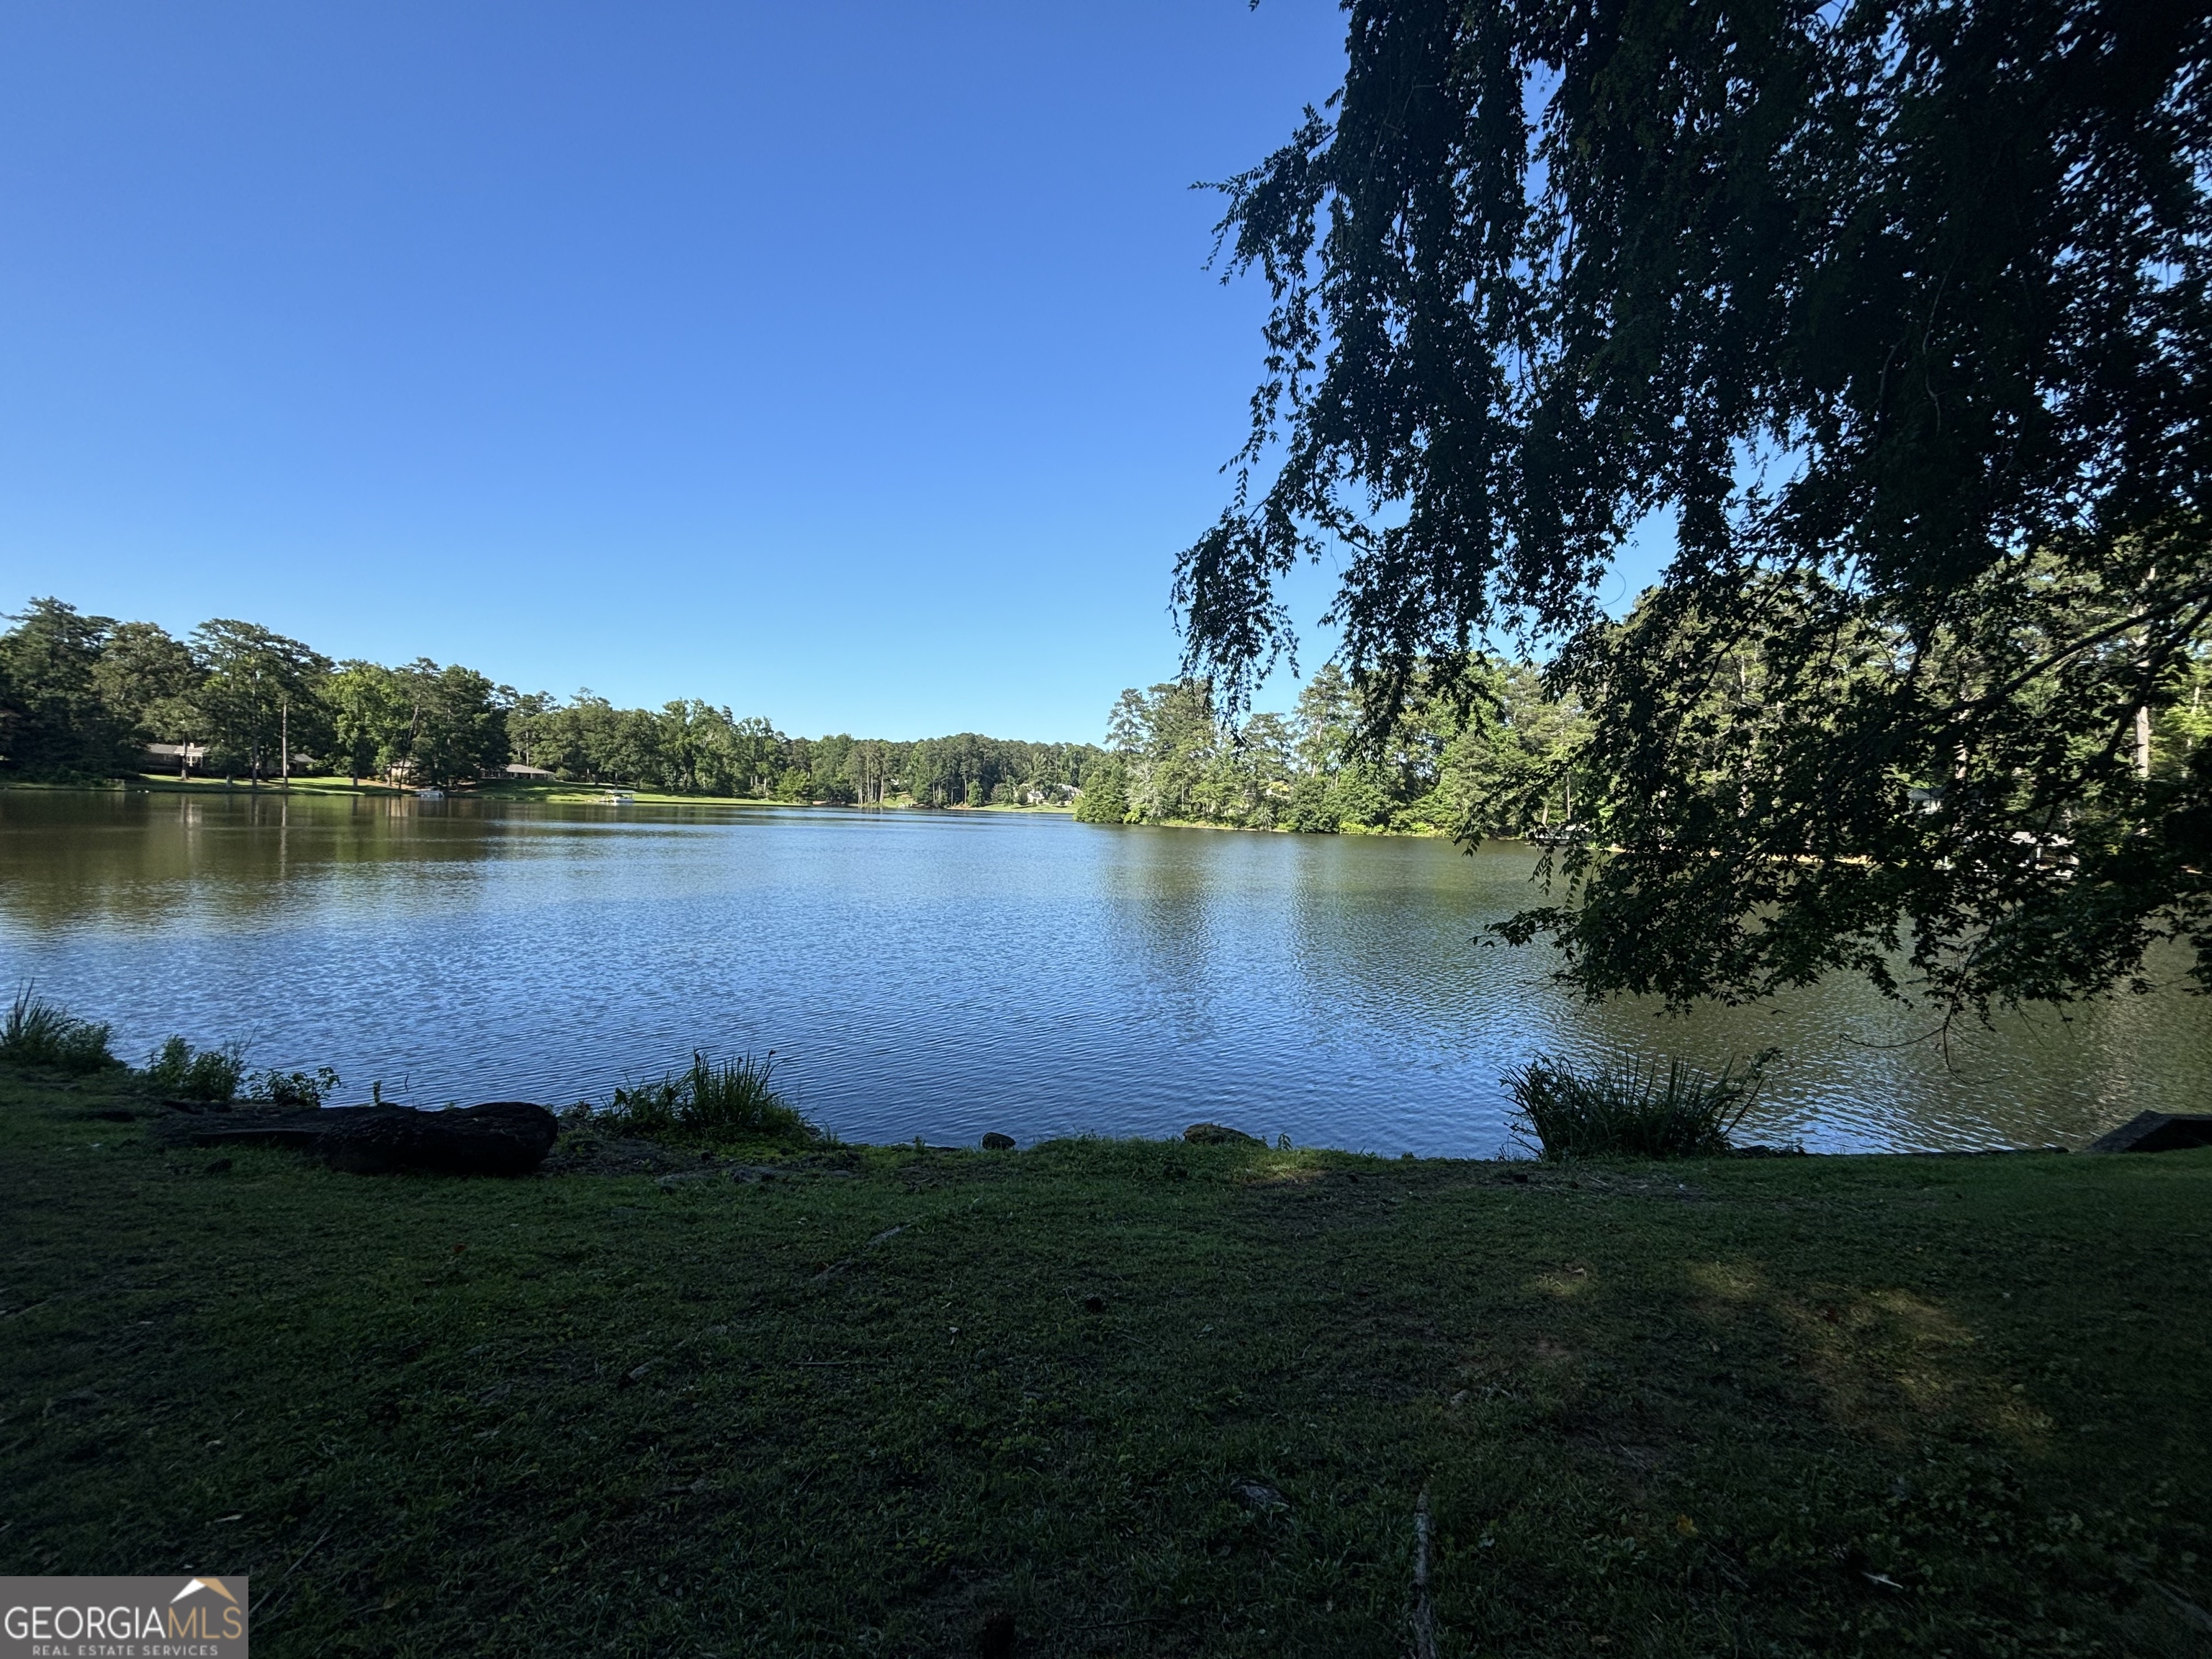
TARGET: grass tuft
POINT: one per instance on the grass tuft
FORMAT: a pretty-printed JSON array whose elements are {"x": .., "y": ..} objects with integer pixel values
[
  {"x": 294, "y": 1088},
  {"x": 37, "y": 1032},
  {"x": 177, "y": 1071},
  {"x": 1627, "y": 1111},
  {"x": 733, "y": 1100}
]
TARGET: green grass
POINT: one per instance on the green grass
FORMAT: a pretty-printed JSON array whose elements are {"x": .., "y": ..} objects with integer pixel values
[
  {"x": 552, "y": 794},
  {"x": 169, "y": 783},
  {"x": 1834, "y": 1406}
]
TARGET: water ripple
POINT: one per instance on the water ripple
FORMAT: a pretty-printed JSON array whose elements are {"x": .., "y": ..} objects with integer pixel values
[{"x": 941, "y": 975}]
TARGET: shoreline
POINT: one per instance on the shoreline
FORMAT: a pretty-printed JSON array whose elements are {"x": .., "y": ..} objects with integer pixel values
[
  {"x": 559, "y": 794},
  {"x": 586, "y": 794}
]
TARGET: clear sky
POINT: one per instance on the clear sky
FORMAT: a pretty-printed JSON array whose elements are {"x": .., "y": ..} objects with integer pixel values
[{"x": 854, "y": 364}]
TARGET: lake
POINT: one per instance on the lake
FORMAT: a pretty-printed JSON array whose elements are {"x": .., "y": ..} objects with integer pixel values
[{"x": 942, "y": 974}]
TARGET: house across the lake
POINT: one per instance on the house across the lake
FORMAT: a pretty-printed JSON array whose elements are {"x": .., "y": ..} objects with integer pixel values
[
  {"x": 183, "y": 756},
  {"x": 516, "y": 769}
]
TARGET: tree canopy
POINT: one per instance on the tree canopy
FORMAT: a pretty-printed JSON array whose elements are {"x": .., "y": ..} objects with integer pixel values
[
  {"x": 80, "y": 696},
  {"x": 1900, "y": 312},
  {"x": 1176, "y": 755}
]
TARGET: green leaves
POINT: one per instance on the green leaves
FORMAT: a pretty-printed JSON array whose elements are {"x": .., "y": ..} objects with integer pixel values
[
  {"x": 1901, "y": 313},
  {"x": 54, "y": 721},
  {"x": 257, "y": 697}
]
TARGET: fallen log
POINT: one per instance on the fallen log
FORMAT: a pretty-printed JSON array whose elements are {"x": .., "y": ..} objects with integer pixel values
[
  {"x": 1220, "y": 1135},
  {"x": 500, "y": 1138},
  {"x": 2155, "y": 1132}
]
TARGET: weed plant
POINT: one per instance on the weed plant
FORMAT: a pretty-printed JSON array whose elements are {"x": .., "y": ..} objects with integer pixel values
[
  {"x": 37, "y": 1032},
  {"x": 294, "y": 1088},
  {"x": 177, "y": 1071},
  {"x": 734, "y": 1100},
  {"x": 1628, "y": 1111}
]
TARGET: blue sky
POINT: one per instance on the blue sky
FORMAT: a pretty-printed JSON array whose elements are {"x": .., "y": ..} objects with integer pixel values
[{"x": 853, "y": 364}]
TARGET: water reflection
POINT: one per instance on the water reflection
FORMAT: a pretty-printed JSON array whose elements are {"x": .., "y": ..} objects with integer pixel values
[{"x": 942, "y": 974}]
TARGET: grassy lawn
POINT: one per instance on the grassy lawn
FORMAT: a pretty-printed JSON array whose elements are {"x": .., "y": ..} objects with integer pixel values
[
  {"x": 169, "y": 783},
  {"x": 1143, "y": 1398}
]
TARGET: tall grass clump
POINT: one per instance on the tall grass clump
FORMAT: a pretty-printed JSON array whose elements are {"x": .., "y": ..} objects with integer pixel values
[
  {"x": 294, "y": 1088},
  {"x": 732, "y": 1100},
  {"x": 1631, "y": 1111},
  {"x": 177, "y": 1071},
  {"x": 37, "y": 1032}
]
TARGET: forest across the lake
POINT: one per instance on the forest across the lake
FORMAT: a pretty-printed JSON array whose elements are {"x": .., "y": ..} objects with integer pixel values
[{"x": 86, "y": 698}]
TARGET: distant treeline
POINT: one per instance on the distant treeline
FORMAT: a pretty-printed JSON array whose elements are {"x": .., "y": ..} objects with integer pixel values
[
  {"x": 84, "y": 696},
  {"x": 1497, "y": 760}
]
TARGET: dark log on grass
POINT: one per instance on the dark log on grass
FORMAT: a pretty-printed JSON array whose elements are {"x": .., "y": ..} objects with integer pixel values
[
  {"x": 1220, "y": 1135},
  {"x": 502, "y": 1138},
  {"x": 301, "y": 1129},
  {"x": 2155, "y": 1132}
]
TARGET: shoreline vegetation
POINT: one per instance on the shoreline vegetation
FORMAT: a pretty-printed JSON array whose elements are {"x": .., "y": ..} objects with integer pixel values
[
  {"x": 155, "y": 783},
  {"x": 1115, "y": 1397},
  {"x": 1566, "y": 1110},
  {"x": 89, "y": 701},
  {"x": 587, "y": 794}
]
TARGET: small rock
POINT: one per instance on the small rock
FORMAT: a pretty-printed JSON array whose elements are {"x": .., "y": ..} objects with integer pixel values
[
  {"x": 220, "y": 1166},
  {"x": 995, "y": 1142},
  {"x": 1257, "y": 1496},
  {"x": 1220, "y": 1135}
]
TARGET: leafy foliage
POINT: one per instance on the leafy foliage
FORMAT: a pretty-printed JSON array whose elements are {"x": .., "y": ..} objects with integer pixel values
[
  {"x": 1901, "y": 312},
  {"x": 53, "y": 719},
  {"x": 294, "y": 1088},
  {"x": 430, "y": 724},
  {"x": 712, "y": 1103},
  {"x": 256, "y": 702},
  {"x": 177, "y": 1071},
  {"x": 37, "y": 1032},
  {"x": 1501, "y": 759},
  {"x": 1625, "y": 1111},
  {"x": 80, "y": 697},
  {"x": 1105, "y": 798}
]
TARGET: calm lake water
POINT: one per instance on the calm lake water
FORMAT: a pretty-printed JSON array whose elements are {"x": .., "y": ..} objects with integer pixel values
[{"x": 943, "y": 974}]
